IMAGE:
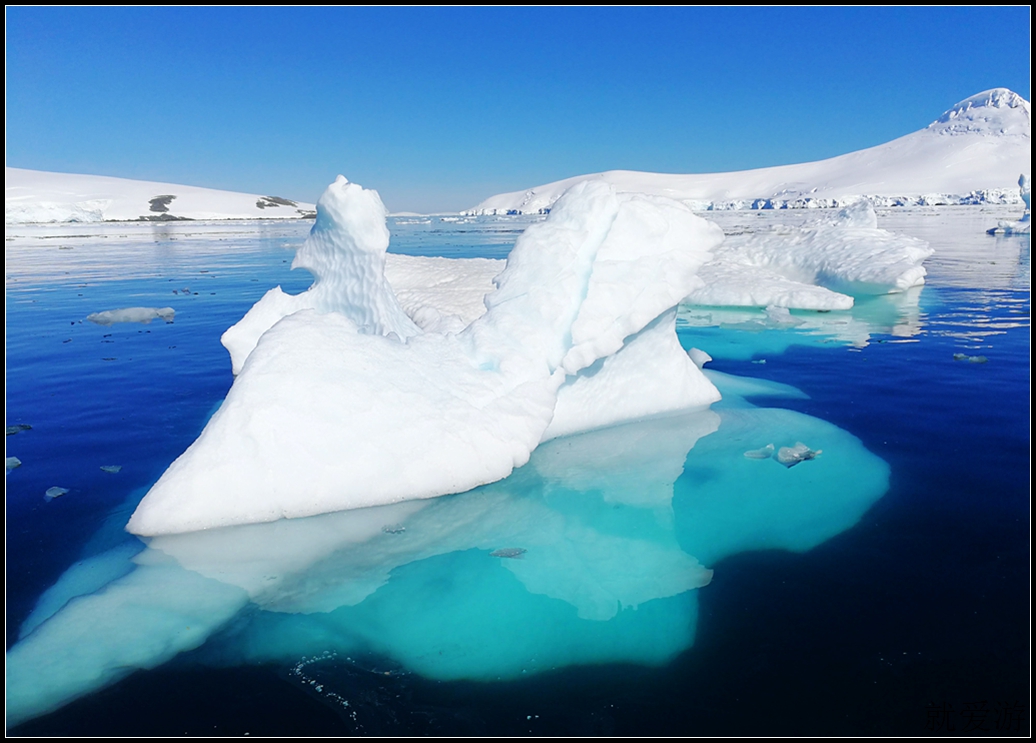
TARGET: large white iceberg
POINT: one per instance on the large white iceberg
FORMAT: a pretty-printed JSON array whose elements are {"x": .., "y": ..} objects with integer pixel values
[{"x": 341, "y": 401}]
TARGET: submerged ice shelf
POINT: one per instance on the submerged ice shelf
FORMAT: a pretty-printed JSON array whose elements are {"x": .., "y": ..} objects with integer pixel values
[{"x": 619, "y": 526}]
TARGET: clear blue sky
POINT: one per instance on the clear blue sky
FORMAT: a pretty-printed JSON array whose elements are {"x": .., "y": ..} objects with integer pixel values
[{"x": 440, "y": 108}]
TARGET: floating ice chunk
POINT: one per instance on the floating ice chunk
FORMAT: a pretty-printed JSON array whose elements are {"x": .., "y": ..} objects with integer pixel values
[
  {"x": 1023, "y": 225},
  {"x": 328, "y": 401},
  {"x": 132, "y": 314},
  {"x": 55, "y": 492},
  {"x": 18, "y": 428},
  {"x": 112, "y": 468},
  {"x": 13, "y": 462},
  {"x": 820, "y": 266},
  {"x": 765, "y": 453},
  {"x": 393, "y": 529},
  {"x": 738, "y": 284},
  {"x": 789, "y": 456},
  {"x": 699, "y": 357}
]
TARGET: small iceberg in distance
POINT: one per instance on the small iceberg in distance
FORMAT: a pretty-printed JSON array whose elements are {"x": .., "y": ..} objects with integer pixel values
[
  {"x": 342, "y": 401},
  {"x": 1023, "y": 225}
]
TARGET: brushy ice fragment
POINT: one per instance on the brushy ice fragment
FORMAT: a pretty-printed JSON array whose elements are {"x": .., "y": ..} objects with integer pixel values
[
  {"x": 789, "y": 456},
  {"x": 112, "y": 468},
  {"x": 55, "y": 492},
  {"x": 18, "y": 428},
  {"x": 972, "y": 359},
  {"x": 765, "y": 453},
  {"x": 132, "y": 314},
  {"x": 13, "y": 462}
]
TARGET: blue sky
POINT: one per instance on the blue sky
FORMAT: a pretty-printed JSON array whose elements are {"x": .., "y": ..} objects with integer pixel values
[{"x": 439, "y": 108}]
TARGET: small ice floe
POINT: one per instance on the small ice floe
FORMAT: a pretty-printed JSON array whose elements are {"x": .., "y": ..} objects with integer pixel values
[
  {"x": 758, "y": 361},
  {"x": 112, "y": 468},
  {"x": 13, "y": 462},
  {"x": 765, "y": 453},
  {"x": 393, "y": 529},
  {"x": 18, "y": 428},
  {"x": 55, "y": 492},
  {"x": 132, "y": 314},
  {"x": 972, "y": 359},
  {"x": 514, "y": 553},
  {"x": 789, "y": 456}
]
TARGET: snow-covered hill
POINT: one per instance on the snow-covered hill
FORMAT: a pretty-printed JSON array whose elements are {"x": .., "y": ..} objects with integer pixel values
[
  {"x": 973, "y": 153},
  {"x": 36, "y": 196}
]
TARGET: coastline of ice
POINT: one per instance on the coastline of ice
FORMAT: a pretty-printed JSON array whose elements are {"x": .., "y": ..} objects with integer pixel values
[
  {"x": 35, "y": 197},
  {"x": 969, "y": 155},
  {"x": 331, "y": 409}
]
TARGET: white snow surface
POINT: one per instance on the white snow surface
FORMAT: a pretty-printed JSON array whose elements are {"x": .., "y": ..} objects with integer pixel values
[
  {"x": 819, "y": 266},
  {"x": 970, "y": 154},
  {"x": 37, "y": 196},
  {"x": 132, "y": 314},
  {"x": 341, "y": 401}
]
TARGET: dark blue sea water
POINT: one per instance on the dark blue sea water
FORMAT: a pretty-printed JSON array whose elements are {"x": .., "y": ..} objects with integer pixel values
[{"x": 881, "y": 589}]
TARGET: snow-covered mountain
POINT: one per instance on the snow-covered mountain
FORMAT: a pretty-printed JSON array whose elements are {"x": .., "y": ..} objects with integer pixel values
[
  {"x": 36, "y": 196},
  {"x": 973, "y": 153}
]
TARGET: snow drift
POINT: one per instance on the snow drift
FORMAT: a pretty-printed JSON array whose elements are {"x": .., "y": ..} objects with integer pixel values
[
  {"x": 970, "y": 154},
  {"x": 35, "y": 196},
  {"x": 341, "y": 401}
]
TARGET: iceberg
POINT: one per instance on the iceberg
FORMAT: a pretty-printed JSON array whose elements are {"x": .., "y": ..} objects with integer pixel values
[
  {"x": 343, "y": 401},
  {"x": 1022, "y": 226},
  {"x": 822, "y": 265}
]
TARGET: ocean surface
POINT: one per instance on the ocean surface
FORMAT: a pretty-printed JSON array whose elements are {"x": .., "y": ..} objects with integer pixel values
[{"x": 649, "y": 579}]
